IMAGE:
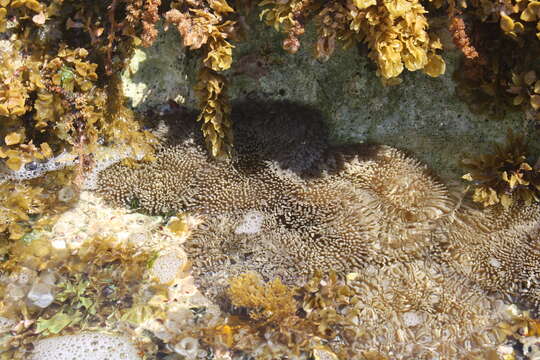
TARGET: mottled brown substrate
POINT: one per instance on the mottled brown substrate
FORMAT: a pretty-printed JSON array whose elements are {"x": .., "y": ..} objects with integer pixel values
[
  {"x": 282, "y": 214},
  {"x": 423, "y": 264}
]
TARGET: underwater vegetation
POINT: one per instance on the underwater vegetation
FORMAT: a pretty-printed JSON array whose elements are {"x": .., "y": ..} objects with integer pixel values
[
  {"x": 504, "y": 175},
  {"x": 500, "y": 44},
  {"x": 346, "y": 207},
  {"x": 33, "y": 205},
  {"x": 50, "y": 287}
]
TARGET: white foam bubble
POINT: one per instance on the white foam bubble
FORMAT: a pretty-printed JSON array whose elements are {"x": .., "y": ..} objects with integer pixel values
[
  {"x": 85, "y": 346},
  {"x": 37, "y": 169},
  {"x": 251, "y": 223},
  {"x": 166, "y": 267}
]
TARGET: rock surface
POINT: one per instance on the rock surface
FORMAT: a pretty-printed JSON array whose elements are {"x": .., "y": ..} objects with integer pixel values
[{"x": 422, "y": 115}]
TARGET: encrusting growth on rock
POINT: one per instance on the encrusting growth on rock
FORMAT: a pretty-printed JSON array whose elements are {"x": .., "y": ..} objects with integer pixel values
[
  {"x": 372, "y": 216},
  {"x": 344, "y": 209},
  {"x": 496, "y": 248}
]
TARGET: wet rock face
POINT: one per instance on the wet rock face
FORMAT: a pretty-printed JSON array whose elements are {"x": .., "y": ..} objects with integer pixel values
[{"x": 422, "y": 115}]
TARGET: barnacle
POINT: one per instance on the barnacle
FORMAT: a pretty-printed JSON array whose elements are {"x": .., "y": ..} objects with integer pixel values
[{"x": 505, "y": 175}]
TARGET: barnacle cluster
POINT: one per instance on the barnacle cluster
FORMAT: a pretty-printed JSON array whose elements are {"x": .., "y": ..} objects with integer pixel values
[{"x": 505, "y": 175}]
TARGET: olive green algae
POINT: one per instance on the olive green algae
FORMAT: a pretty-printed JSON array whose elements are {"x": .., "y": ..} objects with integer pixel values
[{"x": 422, "y": 115}]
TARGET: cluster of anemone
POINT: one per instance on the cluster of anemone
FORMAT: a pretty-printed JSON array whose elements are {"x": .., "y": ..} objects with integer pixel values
[
  {"x": 367, "y": 212},
  {"x": 493, "y": 248}
]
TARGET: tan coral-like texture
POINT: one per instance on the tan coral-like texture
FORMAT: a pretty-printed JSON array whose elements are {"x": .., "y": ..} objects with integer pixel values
[
  {"x": 497, "y": 248},
  {"x": 420, "y": 310},
  {"x": 428, "y": 270},
  {"x": 267, "y": 211}
]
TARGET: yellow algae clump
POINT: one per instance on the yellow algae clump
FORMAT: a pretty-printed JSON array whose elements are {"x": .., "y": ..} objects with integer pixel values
[
  {"x": 272, "y": 302},
  {"x": 396, "y": 31},
  {"x": 204, "y": 25},
  {"x": 504, "y": 176},
  {"x": 215, "y": 113},
  {"x": 167, "y": 267}
]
